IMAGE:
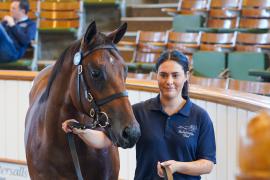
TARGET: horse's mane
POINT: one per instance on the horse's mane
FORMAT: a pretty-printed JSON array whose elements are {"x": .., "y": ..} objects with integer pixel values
[{"x": 57, "y": 68}]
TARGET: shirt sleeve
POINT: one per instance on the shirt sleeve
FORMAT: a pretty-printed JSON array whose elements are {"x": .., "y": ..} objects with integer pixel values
[{"x": 206, "y": 148}]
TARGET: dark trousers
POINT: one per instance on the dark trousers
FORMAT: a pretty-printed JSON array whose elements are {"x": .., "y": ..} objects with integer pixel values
[{"x": 8, "y": 52}]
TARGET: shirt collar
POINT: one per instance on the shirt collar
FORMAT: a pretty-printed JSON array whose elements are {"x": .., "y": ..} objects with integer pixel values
[
  {"x": 185, "y": 110},
  {"x": 23, "y": 19},
  {"x": 155, "y": 105}
]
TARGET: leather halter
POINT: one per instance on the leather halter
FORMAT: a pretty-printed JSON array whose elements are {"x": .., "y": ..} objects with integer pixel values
[{"x": 101, "y": 119}]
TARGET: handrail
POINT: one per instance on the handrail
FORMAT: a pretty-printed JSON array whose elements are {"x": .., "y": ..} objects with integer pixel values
[
  {"x": 12, "y": 161},
  {"x": 251, "y": 102},
  {"x": 17, "y": 75},
  {"x": 237, "y": 99}
]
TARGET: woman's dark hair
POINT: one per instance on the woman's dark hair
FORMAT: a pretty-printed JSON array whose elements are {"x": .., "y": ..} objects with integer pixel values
[{"x": 181, "y": 59}]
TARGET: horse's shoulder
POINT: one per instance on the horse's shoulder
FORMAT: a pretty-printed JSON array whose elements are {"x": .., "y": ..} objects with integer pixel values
[{"x": 43, "y": 74}]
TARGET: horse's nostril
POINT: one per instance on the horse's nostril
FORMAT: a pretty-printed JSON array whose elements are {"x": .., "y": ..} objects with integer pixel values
[
  {"x": 130, "y": 136},
  {"x": 131, "y": 133},
  {"x": 126, "y": 133}
]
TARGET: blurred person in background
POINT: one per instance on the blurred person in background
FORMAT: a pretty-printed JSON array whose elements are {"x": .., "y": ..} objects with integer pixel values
[{"x": 16, "y": 32}]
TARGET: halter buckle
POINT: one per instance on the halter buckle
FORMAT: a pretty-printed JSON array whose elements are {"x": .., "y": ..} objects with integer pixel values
[
  {"x": 89, "y": 97},
  {"x": 79, "y": 69},
  {"x": 103, "y": 122}
]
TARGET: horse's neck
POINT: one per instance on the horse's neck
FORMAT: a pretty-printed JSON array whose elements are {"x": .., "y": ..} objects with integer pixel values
[{"x": 59, "y": 105}]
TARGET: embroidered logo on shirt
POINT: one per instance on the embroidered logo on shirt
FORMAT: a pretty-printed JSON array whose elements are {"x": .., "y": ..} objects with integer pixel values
[{"x": 187, "y": 131}]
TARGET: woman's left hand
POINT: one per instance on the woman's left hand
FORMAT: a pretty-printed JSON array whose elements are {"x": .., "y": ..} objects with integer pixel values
[{"x": 172, "y": 164}]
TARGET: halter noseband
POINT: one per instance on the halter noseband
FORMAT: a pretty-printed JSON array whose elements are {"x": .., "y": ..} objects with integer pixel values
[{"x": 101, "y": 119}]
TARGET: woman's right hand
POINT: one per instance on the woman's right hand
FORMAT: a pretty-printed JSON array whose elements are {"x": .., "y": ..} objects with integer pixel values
[
  {"x": 67, "y": 128},
  {"x": 93, "y": 138}
]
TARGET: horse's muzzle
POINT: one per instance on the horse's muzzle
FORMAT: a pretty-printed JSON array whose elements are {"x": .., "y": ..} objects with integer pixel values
[{"x": 130, "y": 136}]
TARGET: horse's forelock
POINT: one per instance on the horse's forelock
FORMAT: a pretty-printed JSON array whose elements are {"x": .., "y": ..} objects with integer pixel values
[{"x": 100, "y": 39}]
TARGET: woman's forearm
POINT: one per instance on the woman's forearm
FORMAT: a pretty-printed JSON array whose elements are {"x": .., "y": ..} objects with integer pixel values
[
  {"x": 94, "y": 138},
  {"x": 195, "y": 168}
]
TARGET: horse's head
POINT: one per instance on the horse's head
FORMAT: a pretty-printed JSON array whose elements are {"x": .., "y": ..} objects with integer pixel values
[{"x": 98, "y": 88}]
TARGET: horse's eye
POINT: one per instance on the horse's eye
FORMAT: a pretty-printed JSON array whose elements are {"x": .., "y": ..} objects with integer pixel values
[{"x": 95, "y": 73}]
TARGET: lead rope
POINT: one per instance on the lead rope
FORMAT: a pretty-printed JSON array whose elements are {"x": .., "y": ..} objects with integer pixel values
[
  {"x": 167, "y": 173},
  {"x": 74, "y": 155}
]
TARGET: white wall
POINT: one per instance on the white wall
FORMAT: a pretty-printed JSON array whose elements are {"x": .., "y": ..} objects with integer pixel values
[
  {"x": 227, "y": 122},
  {"x": 13, "y": 107}
]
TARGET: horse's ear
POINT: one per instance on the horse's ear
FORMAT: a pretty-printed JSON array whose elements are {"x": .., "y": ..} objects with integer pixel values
[
  {"x": 117, "y": 35},
  {"x": 90, "y": 32}
]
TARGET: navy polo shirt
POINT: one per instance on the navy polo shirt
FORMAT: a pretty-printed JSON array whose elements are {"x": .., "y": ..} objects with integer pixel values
[{"x": 187, "y": 135}]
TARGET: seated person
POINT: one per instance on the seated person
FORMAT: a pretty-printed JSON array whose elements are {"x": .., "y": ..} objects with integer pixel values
[{"x": 16, "y": 32}]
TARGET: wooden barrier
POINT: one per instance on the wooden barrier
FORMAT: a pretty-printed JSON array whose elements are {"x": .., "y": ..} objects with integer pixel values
[{"x": 229, "y": 110}]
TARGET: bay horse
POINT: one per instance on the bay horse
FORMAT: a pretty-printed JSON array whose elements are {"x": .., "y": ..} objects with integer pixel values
[{"x": 87, "y": 83}]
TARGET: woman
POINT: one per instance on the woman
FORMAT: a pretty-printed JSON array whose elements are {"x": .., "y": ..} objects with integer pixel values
[{"x": 174, "y": 131}]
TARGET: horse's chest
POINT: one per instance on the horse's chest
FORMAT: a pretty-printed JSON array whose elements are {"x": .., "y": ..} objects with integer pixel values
[{"x": 95, "y": 165}]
